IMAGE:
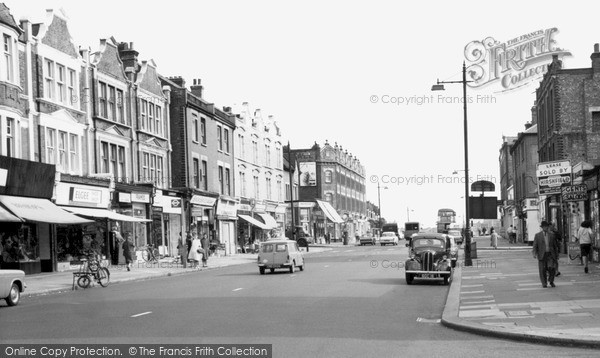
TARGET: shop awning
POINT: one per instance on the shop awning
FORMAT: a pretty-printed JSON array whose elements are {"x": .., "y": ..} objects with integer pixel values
[
  {"x": 6, "y": 216},
  {"x": 40, "y": 210},
  {"x": 253, "y": 221},
  {"x": 269, "y": 220},
  {"x": 330, "y": 212},
  {"x": 103, "y": 213}
]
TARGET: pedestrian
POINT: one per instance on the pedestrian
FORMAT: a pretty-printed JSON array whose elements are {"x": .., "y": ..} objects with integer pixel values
[
  {"x": 511, "y": 232},
  {"x": 116, "y": 246},
  {"x": 188, "y": 242},
  {"x": 484, "y": 230},
  {"x": 545, "y": 249},
  {"x": 182, "y": 251},
  {"x": 128, "y": 251},
  {"x": 584, "y": 236},
  {"x": 242, "y": 243},
  {"x": 558, "y": 238},
  {"x": 328, "y": 238},
  {"x": 205, "y": 246},
  {"x": 196, "y": 251},
  {"x": 493, "y": 238}
]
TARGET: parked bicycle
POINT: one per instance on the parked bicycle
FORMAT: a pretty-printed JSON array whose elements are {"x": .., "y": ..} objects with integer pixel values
[
  {"x": 150, "y": 254},
  {"x": 91, "y": 269}
]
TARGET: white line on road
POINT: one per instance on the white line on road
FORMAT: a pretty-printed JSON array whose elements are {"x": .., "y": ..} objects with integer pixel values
[
  {"x": 469, "y": 292},
  {"x": 472, "y": 286},
  {"x": 326, "y": 265},
  {"x": 237, "y": 289},
  {"x": 141, "y": 314},
  {"x": 428, "y": 320}
]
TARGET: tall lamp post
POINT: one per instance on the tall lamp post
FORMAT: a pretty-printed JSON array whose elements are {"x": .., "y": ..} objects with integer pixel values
[
  {"x": 439, "y": 86},
  {"x": 291, "y": 191},
  {"x": 408, "y": 214},
  {"x": 379, "y": 203}
]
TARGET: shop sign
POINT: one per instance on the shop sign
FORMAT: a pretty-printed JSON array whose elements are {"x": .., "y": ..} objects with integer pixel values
[
  {"x": 88, "y": 196},
  {"x": 553, "y": 175},
  {"x": 226, "y": 209},
  {"x": 3, "y": 176},
  {"x": 125, "y": 197},
  {"x": 260, "y": 208},
  {"x": 574, "y": 192},
  {"x": 168, "y": 204},
  {"x": 271, "y": 208},
  {"x": 244, "y": 207},
  {"x": 202, "y": 200},
  {"x": 137, "y": 197}
]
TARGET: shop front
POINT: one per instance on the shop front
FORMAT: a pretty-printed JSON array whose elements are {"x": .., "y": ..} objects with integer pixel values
[
  {"x": 327, "y": 220},
  {"x": 226, "y": 223},
  {"x": 134, "y": 203},
  {"x": 202, "y": 215},
  {"x": 74, "y": 242},
  {"x": 28, "y": 217},
  {"x": 167, "y": 221}
]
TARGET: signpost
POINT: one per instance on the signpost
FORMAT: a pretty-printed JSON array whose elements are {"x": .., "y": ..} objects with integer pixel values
[{"x": 552, "y": 176}]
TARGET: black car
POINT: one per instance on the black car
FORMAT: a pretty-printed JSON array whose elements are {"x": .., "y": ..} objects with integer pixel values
[{"x": 429, "y": 257}]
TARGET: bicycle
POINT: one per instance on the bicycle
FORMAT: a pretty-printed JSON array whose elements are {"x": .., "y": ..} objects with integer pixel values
[
  {"x": 91, "y": 269},
  {"x": 150, "y": 254}
]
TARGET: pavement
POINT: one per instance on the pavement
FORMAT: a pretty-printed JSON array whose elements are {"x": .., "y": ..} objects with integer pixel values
[
  {"x": 56, "y": 282},
  {"x": 501, "y": 295}
]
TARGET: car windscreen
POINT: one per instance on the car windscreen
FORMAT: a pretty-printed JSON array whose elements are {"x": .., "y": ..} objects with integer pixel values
[{"x": 429, "y": 242}]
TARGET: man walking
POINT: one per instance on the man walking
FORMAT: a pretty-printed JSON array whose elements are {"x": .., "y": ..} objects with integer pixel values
[{"x": 545, "y": 249}]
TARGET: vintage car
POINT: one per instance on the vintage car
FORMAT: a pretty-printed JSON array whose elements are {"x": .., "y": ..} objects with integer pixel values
[
  {"x": 457, "y": 235},
  {"x": 429, "y": 257},
  {"x": 388, "y": 238},
  {"x": 277, "y": 254},
  {"x": 12, "y": 283},
  {"x": 367, "y": 239}
]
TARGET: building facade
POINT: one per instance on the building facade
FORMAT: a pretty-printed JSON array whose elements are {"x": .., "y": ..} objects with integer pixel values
[{"x": 507, "y": 182}]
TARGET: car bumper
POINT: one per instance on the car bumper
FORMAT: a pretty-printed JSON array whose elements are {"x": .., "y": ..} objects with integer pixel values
[
  {"x": 275, "y": 265},
  {"x": 443, "y": 273}
]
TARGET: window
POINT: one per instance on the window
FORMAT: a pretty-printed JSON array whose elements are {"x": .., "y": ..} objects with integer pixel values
[
  {"x": 150, "y": 126},
  {"x": 220, "y": 137},
  {"x": 227, "y": 181},
  {"x": 204, "y": 175},
  {"x": 159, "y": 171},
  {"x": 73, "y": 152},
  {"x": 113, "y": 160},
  {"x": 269, "y": 188},
  {"x": 51, "y": 146},
  {"x": 595, "y": 121},
  {"x": 49, "y": 80},
  {"x": 279, "y": 193},
  {"x": 152, "y": 168},
  {"x": 203, "y": 130},
  {"x": 62, "y": 150},
  {"x": 241, "y": 146},
  {"x": 112, "y": 105},
  {"x": 328, "y": 176},
  {"x": 143, "y": 110},
  {"x": 196, "y": 165},
  {"x": 279, "y": 158},
  {"x": 243, "y": 183},
  {"x": 267, "y": 155},
  {"x": 8, "y": 58},
  {"x": 255, "y": 151},
  {"x": 221, "y": 181},
  {"x": 145, "y": 167},
  {"x": 60, "y": 84},
  {"x": 123, "y": 177},
  {"x": 329, "y": 198},
  {"x": 72, "y": 91},
  {"x": 104, "y": 158},
  {"x": 287, "y": 192},
  {"x": 102, "y": 101},
  {"x": 120, "y": 108},
  {"x": 195, "y": 128},
  {"x": 226, "y": 140},
  {"x": 256, "y": 187},
  {"x": 158, "y": 120},
  {"x": 10, "y": 137}
]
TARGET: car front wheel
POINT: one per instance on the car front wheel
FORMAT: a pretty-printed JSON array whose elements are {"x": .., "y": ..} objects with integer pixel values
[
  {"x": 293, "y": 267},
  {"x": 409, "y": 278},
  {"x": 14, "y": 295},
  {"x": 261, "y": 270}
]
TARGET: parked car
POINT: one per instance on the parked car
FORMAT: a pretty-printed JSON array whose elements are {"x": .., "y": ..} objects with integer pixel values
[
  {"x": 12, "y": 284},
  {"x": 278, "y": 254},
  {"x": 429, "y": 257},
  {"x": 367, "y": 240},
  {"x": 453, "y": 250},
  {"x": 388, "y": 238},
  {"x": 457, "y": 235}
]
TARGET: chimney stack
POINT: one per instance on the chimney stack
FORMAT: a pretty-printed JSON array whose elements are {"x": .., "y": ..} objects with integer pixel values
[
  {"x": 178, "y": 80},
  {"x": 128, "y": 55},
  {"x": 197, "y": 88},
  {"x": 596, "y": 58}
]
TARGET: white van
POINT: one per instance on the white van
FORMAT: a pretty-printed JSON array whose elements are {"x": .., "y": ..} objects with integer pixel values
[{"x": 277, "y": 254}]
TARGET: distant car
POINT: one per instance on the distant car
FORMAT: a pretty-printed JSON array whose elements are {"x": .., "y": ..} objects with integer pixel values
[
  {"x": 457, "y": 235},
  {"x": 367, "y": 240},
  {"x": 429, "y": 257},
  {"x": 280, "y": 254},
  {"x": 12, "y": 283},
  {"x": 388, "y": 238}
]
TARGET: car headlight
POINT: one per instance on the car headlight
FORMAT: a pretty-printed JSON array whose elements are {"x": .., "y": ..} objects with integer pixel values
[
  {"x": 444, "y": 257},
  {"x": 411, "y": 255}
]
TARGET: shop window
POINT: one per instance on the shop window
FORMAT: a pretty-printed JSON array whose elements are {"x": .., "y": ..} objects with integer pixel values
[{"x": 18, "y": 243}]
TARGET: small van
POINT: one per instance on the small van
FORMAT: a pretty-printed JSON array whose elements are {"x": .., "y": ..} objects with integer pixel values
[{"x": 278, "y": 254}]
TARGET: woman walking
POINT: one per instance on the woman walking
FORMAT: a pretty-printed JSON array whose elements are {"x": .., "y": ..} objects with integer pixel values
[
  {"x": 493, "y": 238},
  {"x": 196, "y": 251},
  {"x": 584, "y": 235}
]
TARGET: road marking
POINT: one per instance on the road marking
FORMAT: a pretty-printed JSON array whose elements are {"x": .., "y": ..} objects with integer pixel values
[
  {"x": 326, "y": 265},
  {"x": 237, "y": 289},
  {"x": 472, "y": 286},
  {"x": 141, "y": 314},
  {"x": 469, "y": 292},
  {"x": 428, "y": 320},
  {"x": 292, "y": 275},
  {"x": 349, "y": 250}
]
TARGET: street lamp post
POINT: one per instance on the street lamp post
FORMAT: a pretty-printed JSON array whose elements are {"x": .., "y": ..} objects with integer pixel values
[
  {"x": 408, "y": 214},
  {"x": 379, "y": 203},
  {"x": 440, "y": 87}
]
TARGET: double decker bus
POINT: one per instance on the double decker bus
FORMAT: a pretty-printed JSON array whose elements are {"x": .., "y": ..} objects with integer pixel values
[
  {"x": 411, "y": 227},
  {"x": 446, "y": 217}
]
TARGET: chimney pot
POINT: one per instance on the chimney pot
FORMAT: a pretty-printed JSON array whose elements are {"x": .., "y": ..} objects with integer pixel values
[{"x": 596, "y": 47}]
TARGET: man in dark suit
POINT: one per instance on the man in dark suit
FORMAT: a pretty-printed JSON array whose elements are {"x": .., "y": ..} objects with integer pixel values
[{"x": 545, "y": 249}]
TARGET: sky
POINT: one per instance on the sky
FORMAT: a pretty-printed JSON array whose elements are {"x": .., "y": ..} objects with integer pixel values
[{"x": 358, "y": 73}]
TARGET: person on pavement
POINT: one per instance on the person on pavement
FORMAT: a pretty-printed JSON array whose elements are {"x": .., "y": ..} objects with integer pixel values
[
  {"x": 196, "y": 251},
  {"x": 493, "y": 238},
  {"x": 558, "y": 238},
  {"x": 205, "y": 246},
  {"x": 584, "y": 235},
  {"x": 128, "y": 251},
  {"x": 545, "y": 249},
  {"x": 182, "y": 251}
]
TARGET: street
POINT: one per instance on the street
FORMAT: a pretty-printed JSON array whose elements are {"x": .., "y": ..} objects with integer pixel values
[{"x": 350, "y": 301}]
